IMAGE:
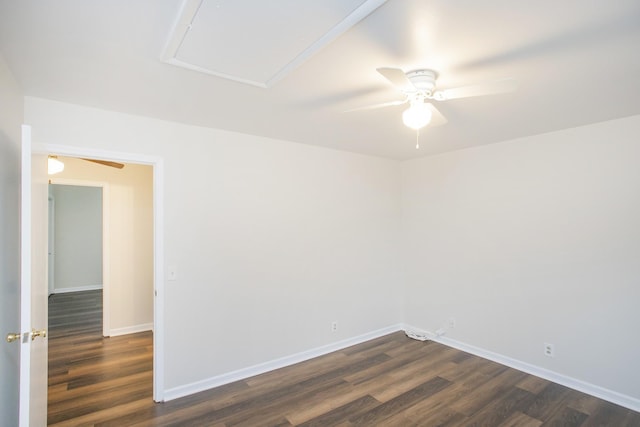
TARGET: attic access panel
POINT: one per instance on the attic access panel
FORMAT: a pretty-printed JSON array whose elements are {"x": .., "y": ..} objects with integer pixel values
[{"x": 258, "y": 42}]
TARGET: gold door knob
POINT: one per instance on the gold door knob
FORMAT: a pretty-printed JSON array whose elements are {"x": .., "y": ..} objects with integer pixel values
[
  {"x": 41, "y": 333},
  {"x": 13, "y": 337}
]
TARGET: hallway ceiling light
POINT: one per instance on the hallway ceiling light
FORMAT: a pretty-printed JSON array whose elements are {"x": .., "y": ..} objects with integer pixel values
[{"x": 54, "y": 165}]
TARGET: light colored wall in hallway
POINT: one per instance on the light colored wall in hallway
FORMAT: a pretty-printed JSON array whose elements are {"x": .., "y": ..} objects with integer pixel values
[{"x": 78, "y": 236}]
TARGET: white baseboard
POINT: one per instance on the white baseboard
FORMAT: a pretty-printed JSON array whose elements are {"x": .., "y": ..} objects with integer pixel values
[
  {"x": 240, "y": 374},
  {"x": 77, "y": 289},
  {"x": 591, "y": 389},
  {"x": 131, "y": 329}
]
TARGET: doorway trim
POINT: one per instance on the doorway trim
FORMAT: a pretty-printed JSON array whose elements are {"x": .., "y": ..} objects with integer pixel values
[
  {"x": 106, "y": 235},
  {"x": 158, "y": 239}
]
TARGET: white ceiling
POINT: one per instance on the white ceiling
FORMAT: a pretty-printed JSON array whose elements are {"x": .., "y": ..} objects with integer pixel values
[{"x": 576, "y": 62}]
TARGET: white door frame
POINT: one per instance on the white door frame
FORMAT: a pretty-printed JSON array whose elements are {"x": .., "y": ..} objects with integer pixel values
[
  {"x": 158, "y": 240},
  {"x": 106, "y": 278},
  {"x": 51, "y": 243}
]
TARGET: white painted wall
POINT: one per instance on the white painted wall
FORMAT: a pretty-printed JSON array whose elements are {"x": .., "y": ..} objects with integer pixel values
[
  {"x": 531, "y": 241},
  {"x": 523, "y": 242},
  {"x": 11, "y": 118},
  {"x": 130, "y": 229},
  {"x": 272, "y": 240},
  {"x": 78, "y": 237}
]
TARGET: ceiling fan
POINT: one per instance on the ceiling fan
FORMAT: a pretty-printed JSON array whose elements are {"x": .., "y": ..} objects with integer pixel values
[
  {"x": 106, "y": 163},
  {"x": 419, "y": 86},
  {"x": 56, "y": 166}
]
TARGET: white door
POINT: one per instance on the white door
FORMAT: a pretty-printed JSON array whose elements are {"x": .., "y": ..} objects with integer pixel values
[
  {"x": 9, "y": 279},
  {"x": 33, "y": 283}
]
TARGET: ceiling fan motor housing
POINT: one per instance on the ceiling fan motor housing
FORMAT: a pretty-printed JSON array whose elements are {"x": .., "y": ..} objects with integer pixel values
[{"x": 423, "y": 80}]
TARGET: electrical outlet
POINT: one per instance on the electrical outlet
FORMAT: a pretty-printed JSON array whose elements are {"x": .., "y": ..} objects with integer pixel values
[
  {"x": 549, "y": 350},
  {"x": 334, "y": 326},
  {"x": 451, "y": 323}
]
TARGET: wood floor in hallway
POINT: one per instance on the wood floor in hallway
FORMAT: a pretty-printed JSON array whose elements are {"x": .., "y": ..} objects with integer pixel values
[
  {"x": 90, "y": 377},
  {"x": 389, "y": 381}
]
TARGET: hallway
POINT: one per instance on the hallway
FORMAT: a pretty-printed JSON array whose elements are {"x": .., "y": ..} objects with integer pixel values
[{"x": 90, "y": 376}]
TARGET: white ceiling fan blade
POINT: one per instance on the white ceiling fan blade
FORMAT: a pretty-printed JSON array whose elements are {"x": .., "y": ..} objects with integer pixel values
[
  {"x": 490, "y": 88},
  {"x": 398, "y": 78},
  {"x": 437, "y": 119},
  {"x": 374, "y": 106},
  {"x": 106, "y": 163}
]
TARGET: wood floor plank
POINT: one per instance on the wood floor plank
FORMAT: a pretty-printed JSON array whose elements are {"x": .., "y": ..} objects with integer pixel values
[
  {"x": 533, "y": 384},
  {"x": 608, "y": 414},
  {"x": 518, "y": 419},
  {"x": 497, "y": 411},
  {"x": 435, "y": 411},
  {"x": 389, "y": 381},
  {"x": 59, "y": 396},
  {"x": 566, "y": 417},
  {"x": 177, "y": 410},
  {"x": 400, "y": 403},
  {"x": 409, "y": 376},
  {"x": 97, "y": 417},
  {"x": 583, "y": 402},
  {"x": 268, "y": 410},
  {"x": 489, "y": 391},
  {"x": 549, "y": 401},
  {"x": 351, "y": 409}
]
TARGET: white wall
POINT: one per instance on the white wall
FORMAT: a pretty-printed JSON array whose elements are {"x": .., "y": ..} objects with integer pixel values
[
  {"x": 524, "y": 242},
  {"x": 531, "y": 241},
  {"x": 272, "y": 240},
  {"x": 130, "y": 238},
  {"x": 78, "y": 237},
  {"x": 11, "y": 116}
]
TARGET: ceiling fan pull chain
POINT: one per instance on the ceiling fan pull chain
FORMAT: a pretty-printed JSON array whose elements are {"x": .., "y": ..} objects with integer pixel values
[{"x": 417, "y": 139}]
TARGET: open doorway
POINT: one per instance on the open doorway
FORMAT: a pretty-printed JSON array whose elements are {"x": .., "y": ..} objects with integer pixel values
[
  {"x": 157, "y": 165},
  {"x": 122, "y": 290},
  {"x": 127, "y": 277}
]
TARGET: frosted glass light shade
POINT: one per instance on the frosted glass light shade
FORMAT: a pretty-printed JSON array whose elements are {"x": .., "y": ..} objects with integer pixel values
[
  {"x": 417, "y": 116},
  {"x": 54, "y": 166}
]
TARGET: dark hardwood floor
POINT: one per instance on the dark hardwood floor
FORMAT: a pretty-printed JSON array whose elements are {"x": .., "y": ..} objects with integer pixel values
[
  {"x": 389, "y": 381},
  {"x": 90, "y": 377}
]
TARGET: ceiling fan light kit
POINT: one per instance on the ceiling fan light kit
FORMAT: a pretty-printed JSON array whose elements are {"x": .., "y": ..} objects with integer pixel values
[{"x": 418, "y": 115}]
